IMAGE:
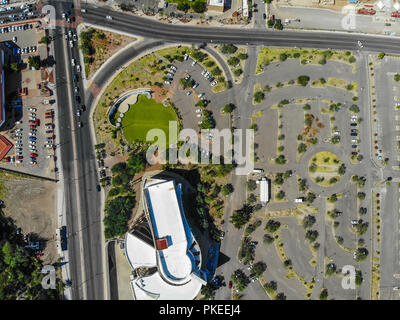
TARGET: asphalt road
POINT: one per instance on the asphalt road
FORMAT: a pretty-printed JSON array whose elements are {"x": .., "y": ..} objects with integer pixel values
[
  {"x": 82, "y": 201},
  {"x": 314, "y": 39}
]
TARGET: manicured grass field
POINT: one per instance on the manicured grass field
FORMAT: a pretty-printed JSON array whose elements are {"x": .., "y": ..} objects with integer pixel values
[{"x": 144, "y": 115}]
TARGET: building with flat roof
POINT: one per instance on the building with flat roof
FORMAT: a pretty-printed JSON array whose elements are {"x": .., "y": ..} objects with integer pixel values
[
  {"x": 216, "y": 5},
  {"x": 174, "y": 256}
]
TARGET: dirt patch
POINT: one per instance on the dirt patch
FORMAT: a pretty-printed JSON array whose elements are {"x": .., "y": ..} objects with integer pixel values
[
  {"x": 159, "y": 94},
  {"x": 32, "y": 205}
]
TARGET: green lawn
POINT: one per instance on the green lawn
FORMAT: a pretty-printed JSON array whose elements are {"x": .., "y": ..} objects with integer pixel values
[{"x": 144, "y": 115}]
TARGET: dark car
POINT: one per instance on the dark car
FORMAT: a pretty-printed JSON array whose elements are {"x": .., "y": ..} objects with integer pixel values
[
  {"x": 353, "y": 124},
  {"x": 230, "y": 284},
  {"x": 78, "y": 99},
  {"x": 98, "y": 188},
  {"x": 264, "y": 16},
  {"x": 75, "y": 77}
]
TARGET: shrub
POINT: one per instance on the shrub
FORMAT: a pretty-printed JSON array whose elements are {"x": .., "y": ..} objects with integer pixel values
[{"x": 303, "y": 80}]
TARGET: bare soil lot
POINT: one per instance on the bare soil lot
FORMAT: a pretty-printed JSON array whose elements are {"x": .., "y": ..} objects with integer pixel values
[{"x": 32, "y": 205}]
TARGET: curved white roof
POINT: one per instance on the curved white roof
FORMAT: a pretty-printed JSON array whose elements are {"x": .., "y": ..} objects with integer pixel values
[{"x": 139, "y": 253}]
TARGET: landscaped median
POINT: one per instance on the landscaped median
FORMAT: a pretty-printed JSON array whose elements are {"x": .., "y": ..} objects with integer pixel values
[{"x": 305, "y": 56}]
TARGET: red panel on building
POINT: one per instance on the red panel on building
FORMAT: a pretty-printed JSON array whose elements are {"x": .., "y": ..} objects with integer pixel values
[{"x": 161, "y": 244}]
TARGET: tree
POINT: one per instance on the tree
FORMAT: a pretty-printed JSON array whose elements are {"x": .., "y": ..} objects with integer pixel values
[
  {"x": 311, "y": 235},
  {"x": 342, "y": 169},
  {"x": 280, "y": 159},
  {"x": 45, "y": 40},
  {"x": 280, "y": 195},
  {"x": 359, "y": 277},
  {"x": 137, "y": 162},
  {"x": 242, "y": 56},
  {"x": 283, "y": 56},
  {"x": 228, "y": 108},
  {"x": 272, "y": 226},
  {"x": 258, "y": 96},
  {"x": 324, "y": 294},
  {"x": 118, "y": 211},
  {"x": 240, "y": 217},
  {"x": 258, "y": 269},
  {"x": 233, "y": 61},
  {"x": 227, "y": 189},
  {"x": 34, "y": 62},
  {"x": 271, "y": 287},
  {"x": 361, "y": 195},
  {"x": 251, "y": 185},
  {"x": 280, "y": 296},
  {"x": 397, "y": 77},
  {"x": 330, "y": 269},
  {"x": 333, "y": 198},
  {"x": 308, "y": 221},
  {"x": 361, "y": 254},
  {"x": 381, "y": 55},
  {"x": 228, "y": 49},
  {"x": 354, "y": 108},
  {"x": 237, "y": 72},
  {"x": 303, "y": 80},
  {"x": 240, "y": 279},
  {"x": 216, "y": 71},
  {"x": 302, "y": 148}
]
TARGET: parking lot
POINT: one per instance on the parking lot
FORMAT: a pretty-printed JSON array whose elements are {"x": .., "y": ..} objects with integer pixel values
[{"x": 29, "y": 102}]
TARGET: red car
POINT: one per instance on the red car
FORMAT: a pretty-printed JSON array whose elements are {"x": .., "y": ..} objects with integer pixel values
[
  {"x": 20, "y": 157},
  {"x": 33, "y": 126},
  {"x": 8, "y": 159},
  {"x": 39, "y": 255},
  {"x": 49, "y": 113},
  {"x": 34, "y": 122},
  {"x": 230, "y": 284},
  {"x": 34, "y": 155}
]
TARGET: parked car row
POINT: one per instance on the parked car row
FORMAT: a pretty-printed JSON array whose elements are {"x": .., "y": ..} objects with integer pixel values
[
  {"x": 353, "y": 134},
  {"x": 170, "y": 74},
  {"x": 16, "y": 28}
]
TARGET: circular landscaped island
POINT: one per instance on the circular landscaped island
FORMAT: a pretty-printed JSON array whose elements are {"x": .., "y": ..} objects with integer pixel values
[
  {"x": 144, "y": 115},
  {"x": 325, "y": 168}
]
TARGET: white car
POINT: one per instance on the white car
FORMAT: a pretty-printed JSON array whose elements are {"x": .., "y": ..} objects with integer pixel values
[
  {"x": 50, "y": 156},
  {"x": 74, "y": 37},
  {"x": 214, "y": 83},
  {"x": 78, "y": 68},
  {"x": 195, "y": 85},
  {"x": 18, "y": 122},
  {"x": 32, "y": 109},
  {"x": 167, "y": 82},
  {"x": 32, "y": 142},
  {"x": 109, "y": 18},
  {"x": 200, "y": 95},
  {"x": 73, "y": 62},
  {"x": 32, "y": 134},
  {"x": 71, "y": 43},
  {"x": 33, "y": 162},
  {"x": 198, "y": 115},
  {"x": 14, "y": 39},
  {"x": 198, "y": 110},
  {"x": 19, "y": 161},
  {"x": 194, "y": 63},
  {"x": 32, "y": 118},
  {"x": 49, "y": 146}
]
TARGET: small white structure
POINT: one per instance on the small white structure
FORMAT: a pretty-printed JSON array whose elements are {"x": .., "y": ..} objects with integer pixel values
[
  {"x": 264, "y": 191},
  {"x": 217, "y": 5},
  {"x": 245, "y": 8}
]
